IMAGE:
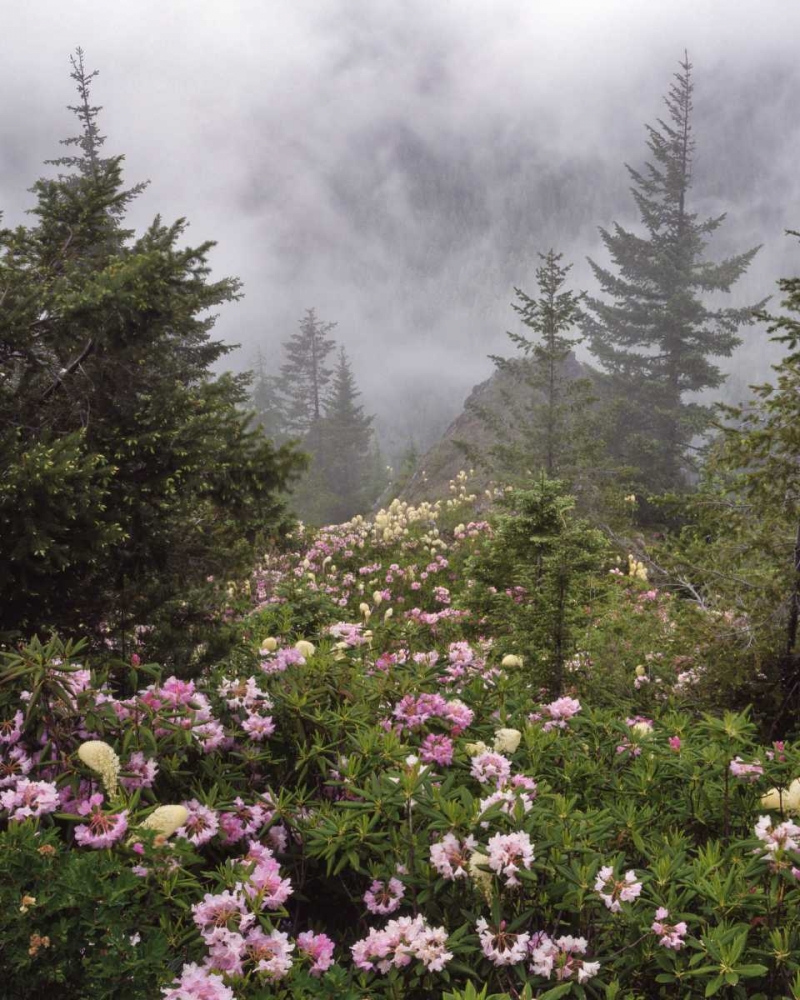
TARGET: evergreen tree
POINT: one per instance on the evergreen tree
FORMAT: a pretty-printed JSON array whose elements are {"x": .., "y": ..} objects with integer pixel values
[
  {"x": 105, "y": 358},
  {"x": 765, "y": 445},
  {"x": 340, "y": 481},
  {"x": 348, "y": 443},
  {"x": 268, "y": 403},
  {"x": 551, "y": 437},
  {"x": 305, "y": 375},
  {"x": 653, "y": 333}
]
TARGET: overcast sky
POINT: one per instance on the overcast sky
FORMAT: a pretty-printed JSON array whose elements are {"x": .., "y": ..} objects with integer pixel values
[{"x": 398, "y": 163}]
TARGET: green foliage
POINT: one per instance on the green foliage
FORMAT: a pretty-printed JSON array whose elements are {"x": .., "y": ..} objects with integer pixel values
[
  {"x": 547, "y": 554},
  {"x": 653, "y": 333},
  {"x": 134, "y": 463}
]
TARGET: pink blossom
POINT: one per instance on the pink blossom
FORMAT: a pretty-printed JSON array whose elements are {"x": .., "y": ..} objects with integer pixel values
[
  {"x": 225, "y": 909},
  {"x": 500, "y": 946},
  {"x": 317, "y": 947},
  {"x": 782, "y": 837},
  {"x": 14, "y": 764},
  {"x": 508, "y": 853},
  {"x": 11, "y": 729},
  {"x": 29, "y": 799},
  {"x": 615, "y": 891},
  {"x": 450, "y": 857},
  {"x": 384, "y": 897},
  {"x": 195, "y": 983},
  {"x": 103, "y": 829},
  {"x": 750, "y": 772},
  {"x": 258, "y": 727},
  {"x": 670, "y": 935},
  {"x": 675, "y": 742},
  {"x": 490, "y": 766},
  {"x": 562, "y": 956},
  {"x": 142, "y": 770},
  {"x": 437, "y": 749},
  {"x": 402, "y": 940},
  {"x": 201, "y": 824},
  {"x": 270, "y": 953}
]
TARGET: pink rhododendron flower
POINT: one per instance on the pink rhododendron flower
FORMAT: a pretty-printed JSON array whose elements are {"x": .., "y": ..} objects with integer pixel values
[
  {"x": 201, "y": 824},
  {"x": 142, "y": 770},
  {"x": 103, "y": 829},
  {"x": 14, "y": 764},
  {"x": 29, "y": 799},
  {"x": 500, "y": 946},
  {"x": 265, "y": 883},
  {"x": 491, "y": 766},
  {"x": 615, "y": 891},
  {"x": 400, "y": 942},
  {"x": 224, "y": 909},
  {"x": 675, "y": 742},
  {"x": 437, "y": 749},
  {"x": 782, "y": 837},
  {"x": 670, "y": 935},
  {"x": 195, "y": 983},
  {"x": 562, "y": 957},
  {"x": 317, "y": 947},
  {"x": 270, "y": 953},
  {"x": 11, "y": 729},
  {"x": 258, "y": 727},
  {"x": 749, "y": 772},
  {"x": 450, "y": 857},
  {"x": 508, "y": 853},
  {"x": 384, "y": 897}
]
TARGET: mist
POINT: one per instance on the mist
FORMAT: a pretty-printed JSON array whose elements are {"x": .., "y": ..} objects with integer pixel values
[{"x": 399, "y": 165}]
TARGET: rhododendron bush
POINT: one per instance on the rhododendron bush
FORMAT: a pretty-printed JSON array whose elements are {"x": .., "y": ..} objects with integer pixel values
[{"x": 378, "y": 795}]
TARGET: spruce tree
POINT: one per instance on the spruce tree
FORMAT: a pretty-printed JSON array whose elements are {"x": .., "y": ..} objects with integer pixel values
[
  {"x": 268, "y": 403},
  {"x": 765, "y": 446},
  {"x": 305, "y": 374},
  {"x": 105, "y": 373},
  {"x": 654, "y": 333},
  {"x": 347, "y": 441},
  {"x": 550, "y": 438}
]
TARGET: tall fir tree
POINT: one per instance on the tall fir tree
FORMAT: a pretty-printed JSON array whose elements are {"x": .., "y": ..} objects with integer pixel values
[
  {"x": 105, "y": 373},
  {"x": 305, "y": 374},
  {"x": 551, "y": 439},
  {"x": 348, "y": 437},
  {"x": 340, "y": 481},
  {"x": 268, "y": 403},
  {"x": 654, "y": 333},
  {"x": 765, "y": 446}
]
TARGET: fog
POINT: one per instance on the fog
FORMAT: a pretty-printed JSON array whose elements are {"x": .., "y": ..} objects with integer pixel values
[{"x": 397, "y": 165}]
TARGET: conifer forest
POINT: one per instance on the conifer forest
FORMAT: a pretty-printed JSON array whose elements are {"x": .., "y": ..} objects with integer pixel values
[{"x": 400, "y": 500}]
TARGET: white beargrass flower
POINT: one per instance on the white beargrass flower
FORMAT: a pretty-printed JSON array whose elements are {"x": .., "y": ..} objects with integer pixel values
[
  {"x": 305, "y": 648},
  {"x": 789, "y": 801},
  {"x": 103, "y": 759},
  {"x": 507, "y": 740},
  {"x": 511, "y": 660},
  {"x": 269, "y": 645},
  {"x": 165, "y": 820}
]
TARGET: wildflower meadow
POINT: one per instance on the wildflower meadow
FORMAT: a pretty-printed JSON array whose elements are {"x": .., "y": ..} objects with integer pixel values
[{"x": 376, "y": 794}]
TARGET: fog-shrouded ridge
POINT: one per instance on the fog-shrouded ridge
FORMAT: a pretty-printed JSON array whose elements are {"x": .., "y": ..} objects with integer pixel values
[{"x": 398, "y": 165}]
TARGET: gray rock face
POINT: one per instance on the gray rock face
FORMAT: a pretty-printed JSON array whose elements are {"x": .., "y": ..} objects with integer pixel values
[{"x": 499, "y": 395}]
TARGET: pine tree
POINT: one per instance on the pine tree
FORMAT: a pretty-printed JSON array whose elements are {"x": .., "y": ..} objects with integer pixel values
[
  {"x": 550, "y": 439},
  {"x": 269, "y": 406},
  {"x": 765, "y": 445},
  {"x": 340, "y": 481},
  {"x": 653, "y": 333},
  {"x": 105, "y": 372},
  {"x": 347, "y": 441},
  {"x": 305, "y": 375}
]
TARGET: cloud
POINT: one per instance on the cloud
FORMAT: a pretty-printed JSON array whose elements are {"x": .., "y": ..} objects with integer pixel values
[{"x": 398, "y": 165}]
